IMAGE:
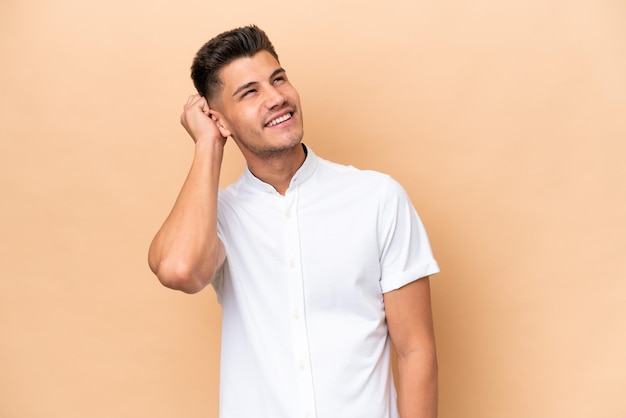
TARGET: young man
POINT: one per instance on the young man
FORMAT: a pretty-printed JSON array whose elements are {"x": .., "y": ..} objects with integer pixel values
[{"x": 316, "y": 265}]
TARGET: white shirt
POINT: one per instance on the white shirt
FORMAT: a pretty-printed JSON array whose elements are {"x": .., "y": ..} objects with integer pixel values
[{"x": 303, "y": 330}]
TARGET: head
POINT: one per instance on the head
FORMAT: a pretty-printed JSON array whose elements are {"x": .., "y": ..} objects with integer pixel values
[
  {"x": 221, "y": 51},
  {"x": 250, "y": 96}
]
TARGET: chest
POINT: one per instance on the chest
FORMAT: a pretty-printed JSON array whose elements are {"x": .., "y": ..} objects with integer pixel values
[{"x": 328, "y": 245}]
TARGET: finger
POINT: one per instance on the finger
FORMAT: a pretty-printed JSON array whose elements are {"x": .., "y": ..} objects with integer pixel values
[
  {"x": 199, "y": 102},
  {"x": 194, "y": 101},
  {"x": 205, "y": 106}
]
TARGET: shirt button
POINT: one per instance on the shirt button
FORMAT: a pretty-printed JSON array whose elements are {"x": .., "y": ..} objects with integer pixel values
[
  {"x": 296, "y": 315},
  {"x": 289, "y": 215},
  {"x": 292, "y": 263},
  {"x": 302, "y": 366}
]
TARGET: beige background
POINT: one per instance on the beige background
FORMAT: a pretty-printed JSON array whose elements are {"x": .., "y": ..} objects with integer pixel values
[{"x": 505, "y": 121}]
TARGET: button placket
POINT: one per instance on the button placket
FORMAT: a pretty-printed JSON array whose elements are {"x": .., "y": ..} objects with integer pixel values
[{"x": 296, "y": 306}]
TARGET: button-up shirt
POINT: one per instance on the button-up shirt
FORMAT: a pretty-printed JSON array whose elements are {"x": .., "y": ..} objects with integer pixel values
[{"x": 303, "y": 325}]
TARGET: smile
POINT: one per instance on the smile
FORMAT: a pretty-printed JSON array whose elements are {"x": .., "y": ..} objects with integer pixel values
[{"x": 279, "y": 119}]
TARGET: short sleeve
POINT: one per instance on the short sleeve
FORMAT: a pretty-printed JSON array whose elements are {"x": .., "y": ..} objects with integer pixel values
[
  {"x": 405, "y": 252},
  {"x": 218, "y": 280}
]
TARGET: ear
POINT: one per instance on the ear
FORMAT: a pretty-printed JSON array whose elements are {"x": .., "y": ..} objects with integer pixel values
[{"x": 221, "y": 123}]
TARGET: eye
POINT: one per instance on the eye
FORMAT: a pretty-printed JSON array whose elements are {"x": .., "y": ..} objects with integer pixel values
[
  {"x": 279, "y": 79},
  {"x": 248, "y": 92}
]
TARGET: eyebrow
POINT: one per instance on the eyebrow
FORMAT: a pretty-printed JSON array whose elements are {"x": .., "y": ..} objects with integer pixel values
[{"x": 251, "y": 83}]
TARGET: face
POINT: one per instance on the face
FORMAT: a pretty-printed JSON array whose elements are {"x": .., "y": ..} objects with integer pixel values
[{"x": 258, "y": 107}]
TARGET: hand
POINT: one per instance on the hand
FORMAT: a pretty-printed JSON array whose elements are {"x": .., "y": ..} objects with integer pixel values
[{"x": 197, "y": 119}]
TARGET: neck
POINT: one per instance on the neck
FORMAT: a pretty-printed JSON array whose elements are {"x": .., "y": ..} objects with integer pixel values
[{"x": 279, "y": 169}]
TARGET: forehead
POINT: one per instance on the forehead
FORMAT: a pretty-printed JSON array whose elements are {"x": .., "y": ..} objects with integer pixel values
[{"x": 244, "y": 70}]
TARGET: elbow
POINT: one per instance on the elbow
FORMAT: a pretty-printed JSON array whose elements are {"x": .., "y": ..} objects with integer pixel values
[{"x": 178, "y": 275}]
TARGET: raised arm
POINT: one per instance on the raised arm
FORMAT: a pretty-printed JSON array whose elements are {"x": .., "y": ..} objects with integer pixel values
[
  {"x": 409, "y": 319},
  {"x": 186, "y": 253}
]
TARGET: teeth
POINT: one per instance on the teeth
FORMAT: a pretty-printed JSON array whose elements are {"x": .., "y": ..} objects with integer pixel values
[{"x": 279, "y": 120}]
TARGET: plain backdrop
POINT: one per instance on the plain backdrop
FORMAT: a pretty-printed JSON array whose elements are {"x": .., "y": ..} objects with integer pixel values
[{"x": 504, "y": 120}]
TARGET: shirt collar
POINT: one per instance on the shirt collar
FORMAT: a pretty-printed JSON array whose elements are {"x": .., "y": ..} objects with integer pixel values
[{"x": 302, "y": 174}]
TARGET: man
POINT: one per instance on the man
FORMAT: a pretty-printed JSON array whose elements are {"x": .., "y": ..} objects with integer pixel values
[{"x": 316, "y": 265}]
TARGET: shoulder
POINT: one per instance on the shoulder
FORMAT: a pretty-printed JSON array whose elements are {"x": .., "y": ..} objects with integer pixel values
[
  {"x": 350, "y": 186},
  {"x": 352, "y": 175},
  {"x": 232, "y": 192}
]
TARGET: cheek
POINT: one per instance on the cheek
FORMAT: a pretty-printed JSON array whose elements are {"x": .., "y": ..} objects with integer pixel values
[
  {"x": 245, "y": 119},
  {"x": 295, "y": 97}
]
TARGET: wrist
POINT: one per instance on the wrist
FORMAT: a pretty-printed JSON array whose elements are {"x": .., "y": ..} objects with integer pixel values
[{"x": 206, "y": 144}]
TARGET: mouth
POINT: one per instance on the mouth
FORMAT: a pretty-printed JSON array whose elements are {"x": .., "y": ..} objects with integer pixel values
[{"x": 280, "y": 119}]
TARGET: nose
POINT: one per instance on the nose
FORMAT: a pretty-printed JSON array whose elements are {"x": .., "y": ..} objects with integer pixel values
[{"x": 275, "y": 98}]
